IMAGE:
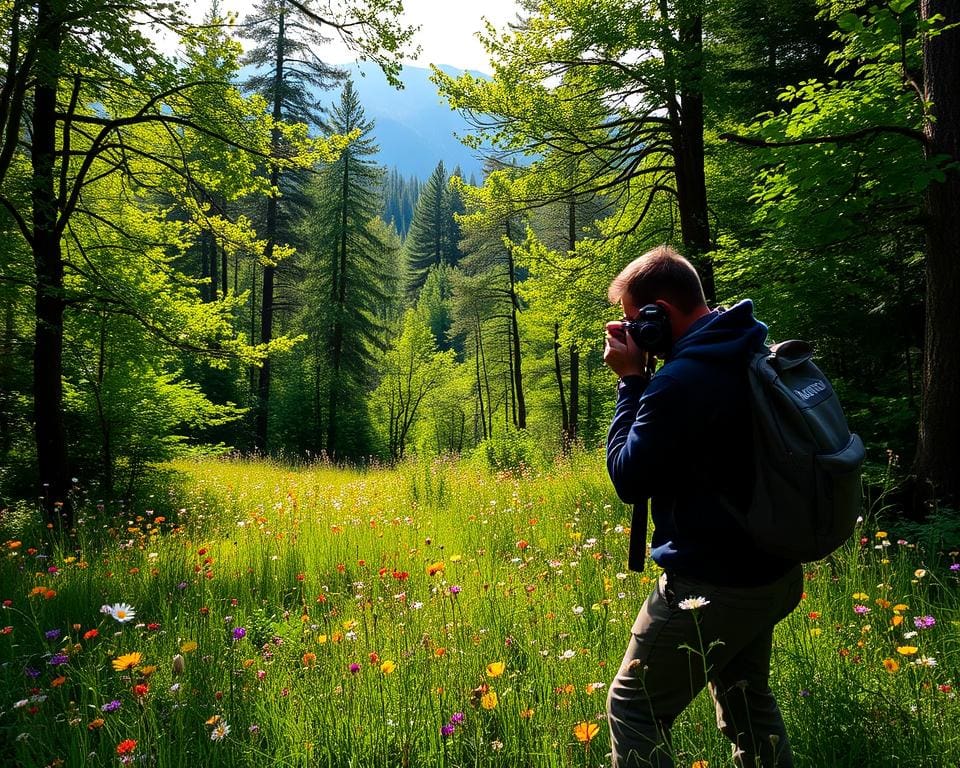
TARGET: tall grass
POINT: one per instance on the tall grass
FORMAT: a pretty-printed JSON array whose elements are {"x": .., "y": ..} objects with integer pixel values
[{"x": 435, "y": 614}]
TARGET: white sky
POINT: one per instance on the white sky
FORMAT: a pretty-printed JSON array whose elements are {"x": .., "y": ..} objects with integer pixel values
[{"x": 447, "y": 29}]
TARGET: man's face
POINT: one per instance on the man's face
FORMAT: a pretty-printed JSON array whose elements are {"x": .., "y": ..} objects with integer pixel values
[{"x": 629, "y": 308}]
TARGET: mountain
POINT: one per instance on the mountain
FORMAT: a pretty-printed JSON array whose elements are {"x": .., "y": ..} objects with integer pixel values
[{"x": 414, "y": 127}]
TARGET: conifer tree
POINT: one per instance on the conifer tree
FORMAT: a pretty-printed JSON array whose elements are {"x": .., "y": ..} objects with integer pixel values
[{"x": 349, "y": 287}]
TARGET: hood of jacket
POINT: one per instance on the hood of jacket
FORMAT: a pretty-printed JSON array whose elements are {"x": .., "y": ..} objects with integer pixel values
[{"x": 723, "y": 334}]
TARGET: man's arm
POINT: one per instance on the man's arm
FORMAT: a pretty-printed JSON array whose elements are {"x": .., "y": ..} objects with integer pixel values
[{"x": 645, "y": 437}]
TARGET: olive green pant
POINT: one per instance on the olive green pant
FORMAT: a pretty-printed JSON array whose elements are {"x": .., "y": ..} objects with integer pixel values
[{"x": 674, "y": 652}]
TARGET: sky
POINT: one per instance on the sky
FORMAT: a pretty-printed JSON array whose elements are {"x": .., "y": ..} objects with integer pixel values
[{"x": 447, "y": 30}]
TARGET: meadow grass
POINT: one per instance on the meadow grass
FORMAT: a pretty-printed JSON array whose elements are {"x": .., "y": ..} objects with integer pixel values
[{"x": 434, "y": 614}]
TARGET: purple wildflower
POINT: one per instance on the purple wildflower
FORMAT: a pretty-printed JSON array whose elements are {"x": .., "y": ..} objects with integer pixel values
[
  {"x": 239, "y": 633},
  {"x": 456, "y": 718},
  {"x": 182, "y": 585},
  {"x": 354, "y": 668},
  {"x": 111, "y": 706},
  {"x": 924, "y": 622},
  {"x": 955, "y": 566},
  {"x": 31, "y": 672},
  {"x": 860, "y": 609},
  {"x": 52, "y": 634},
  {"x": 57, "y": 659},
  {"x": 455, "y": 589},
  {"x": 447, "y": 730}
]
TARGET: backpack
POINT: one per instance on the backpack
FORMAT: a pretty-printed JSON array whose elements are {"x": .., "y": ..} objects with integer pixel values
[{"x": 806, "y": 493}]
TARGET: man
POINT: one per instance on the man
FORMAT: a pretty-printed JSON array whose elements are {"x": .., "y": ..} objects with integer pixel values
[{"x": 682, "y": 438}]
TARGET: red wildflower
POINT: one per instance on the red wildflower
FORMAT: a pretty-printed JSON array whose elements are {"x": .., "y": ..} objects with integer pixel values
[{"x": 126, "y": 746}]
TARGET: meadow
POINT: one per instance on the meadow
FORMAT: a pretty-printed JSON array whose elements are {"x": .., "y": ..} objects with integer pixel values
[{"x": 433, "y": 614}]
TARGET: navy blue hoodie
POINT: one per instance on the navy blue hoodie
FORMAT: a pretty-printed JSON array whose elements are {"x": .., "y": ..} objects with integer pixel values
[{"x": 684, "y": 441}]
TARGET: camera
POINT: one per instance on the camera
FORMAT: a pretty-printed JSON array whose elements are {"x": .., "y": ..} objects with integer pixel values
[{"x": 651, "y": 330}]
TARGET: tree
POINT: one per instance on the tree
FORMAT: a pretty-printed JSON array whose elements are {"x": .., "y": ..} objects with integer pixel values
[
  {"x": 411, "y": 370},
  {"x": 620, "y": 85},
  {"x": 878, "y": 144},
  {"x": 100, "y": 101},
  {"x": 287, "y": 34},
  {"x": 490, "y": 225},
  {"x": 433, "y": 237},
  {"x": 349, "y": 289}
]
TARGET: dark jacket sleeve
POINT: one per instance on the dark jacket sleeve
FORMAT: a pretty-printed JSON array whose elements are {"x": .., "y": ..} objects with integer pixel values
[{"x": 645, "y": 436}]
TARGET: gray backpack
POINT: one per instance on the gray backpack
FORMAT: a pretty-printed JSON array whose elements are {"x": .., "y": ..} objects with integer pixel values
[{"x": 806, "y": 494}]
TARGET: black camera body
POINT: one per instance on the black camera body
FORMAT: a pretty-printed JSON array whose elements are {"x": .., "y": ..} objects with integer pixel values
[{"x": 651, "y": 330}]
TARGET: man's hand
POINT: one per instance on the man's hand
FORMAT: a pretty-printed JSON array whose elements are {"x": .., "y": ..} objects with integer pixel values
[{"x": 621, "y": 355}]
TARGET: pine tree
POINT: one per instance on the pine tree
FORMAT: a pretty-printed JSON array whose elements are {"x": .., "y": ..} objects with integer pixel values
[
  {"x": 284, "y": 55},
  {"x": 428, "y": 242},
  {"x": 349, "y": 287}
]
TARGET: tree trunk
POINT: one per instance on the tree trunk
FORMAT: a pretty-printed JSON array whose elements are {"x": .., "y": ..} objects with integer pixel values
[
  {"x": 516, "y": 367},
  {"x": 52, "y": 460},
  {"x": 685, "y": 110},
  {"x": 574, "y": 429},
  {"x": 266, "y": 299},
  {"x": 558, "y": 371},
  {"x": 7, "y": 367},
  {"x": 938, "y": 450},
  {"x": 340, "y": 301},
  {"x": 476, "y": 359}
]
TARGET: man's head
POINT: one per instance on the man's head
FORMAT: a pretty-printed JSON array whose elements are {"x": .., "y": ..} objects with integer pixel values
[{"x": 661, "y": 276}]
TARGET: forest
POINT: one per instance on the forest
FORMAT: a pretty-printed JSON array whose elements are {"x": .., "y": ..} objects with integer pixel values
[{"x": 200, "y": 256}]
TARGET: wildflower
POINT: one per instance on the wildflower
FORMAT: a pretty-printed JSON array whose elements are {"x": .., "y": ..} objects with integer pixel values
[
  {"x": 188, "y": 647},
  {"x": 496, "y": 745},
  {"x": 526, "y": 714},
  {"x": 924, "y": 622},
  {"x": 489, "y": 700},
  {"x": 354, "y": 668},
  {"x": 813, "y": 615},
  {"x": 434, "y": 568},
  {"x": 920, "y": 573},
  {"x": 126, "y": 746},
  {"x": 127, "y": 661},
  {"x": 57, "y": 659},
  {"x": 110, "y": 706},
  {"x": 860, "y": 609},
  {"x": 925, "y": 661},
  {"x": 700, "y": 764},
  {"x": 693, "y": 603},
  {"x": 891, "y": 665},
  {"x": 566, "y": 655},
  {"x": 122, "y": 612},
  {"x": 90, "y": 634},
  {"x": 58, "y": 681},
  {"x": 97, "y": 722},
  {"x": 495, "y": 668},
  {"x": 955, "y": 567},
  {"x": 239, "y": 633},
  {"x": 447, "y": 730},
  {"x": 591, "y": 688},
  {"x": 906, "y": 650},
  {"x": 220, "y": 731},
  {"x": 908, "y": 635},
  {"x": 861, "y": 596},
  {"x": 140, "y": 690},
  {"x": 945, "y": 688},
  {"x": 455, "y": 589},
  {"x": 896, "y": 621},
  {"x": 309, "y": 659},
  {"x": 585, "y": 731},
  {"x": 388, "y": 667},
  {"x": 577, "y": 610},
  {"x": 52, "y": 634}
]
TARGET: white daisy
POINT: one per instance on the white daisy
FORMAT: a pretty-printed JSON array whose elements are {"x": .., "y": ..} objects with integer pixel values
[
  {"x": 122, "y": 612},
  {"x": 692, "y": 603},
  {"x": 219, "y": 733}
]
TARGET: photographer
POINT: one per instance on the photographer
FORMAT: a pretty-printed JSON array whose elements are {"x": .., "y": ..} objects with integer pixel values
[{"x": 682, "y": 438}]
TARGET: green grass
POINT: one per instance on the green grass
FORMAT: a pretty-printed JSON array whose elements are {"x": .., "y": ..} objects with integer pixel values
[{"x": 324, "y": 568}]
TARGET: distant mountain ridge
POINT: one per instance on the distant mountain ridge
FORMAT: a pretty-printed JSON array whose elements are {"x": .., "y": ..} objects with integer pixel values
[{"x": 414, "y": 127}]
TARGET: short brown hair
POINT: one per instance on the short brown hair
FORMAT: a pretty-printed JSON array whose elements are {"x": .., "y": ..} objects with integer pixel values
[{"x": 660, "y": 273}]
